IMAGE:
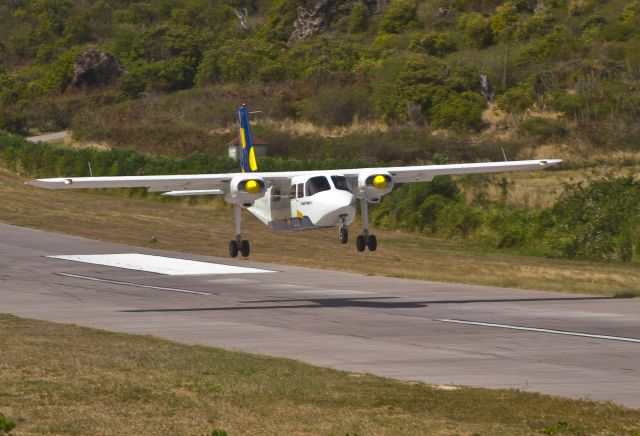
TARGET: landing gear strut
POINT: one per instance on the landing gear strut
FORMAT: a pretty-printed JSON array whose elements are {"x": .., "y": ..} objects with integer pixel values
[
  {"x": 365, "y": 239},
  {"x": 238, "y": 244}
]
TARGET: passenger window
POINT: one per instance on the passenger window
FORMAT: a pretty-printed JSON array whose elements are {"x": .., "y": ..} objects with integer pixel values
[
  {"x": 300, "y": 190},
  {"x": 317, "y": 184},
  {"x": 340, "y": 182},
  {"x": 292, "y": 193}
]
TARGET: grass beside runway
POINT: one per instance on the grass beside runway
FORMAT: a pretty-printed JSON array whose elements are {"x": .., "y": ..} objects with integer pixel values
[
  {"x": 207, "y": 228},
  {"x": 57, "y": 378}
]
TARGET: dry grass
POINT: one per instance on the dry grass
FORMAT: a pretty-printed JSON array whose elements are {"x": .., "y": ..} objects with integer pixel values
[
  {"x": 300, "y": 128},
  {"x": 541, "y": 189},
  {"x": 62, "y": 379},
  {"x": 305, "y": 128},
  {"x": 206, "y": 228}
]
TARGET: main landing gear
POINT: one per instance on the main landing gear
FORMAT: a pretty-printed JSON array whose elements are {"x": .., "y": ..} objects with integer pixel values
[
  {"x": 365, "y": 239},
  {"x": 238, "y": 244}
]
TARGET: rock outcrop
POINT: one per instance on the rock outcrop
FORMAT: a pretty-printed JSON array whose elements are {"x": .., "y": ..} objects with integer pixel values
[
  {"x": 317, "y": 15},
  {"x": 95, "y": 68}
]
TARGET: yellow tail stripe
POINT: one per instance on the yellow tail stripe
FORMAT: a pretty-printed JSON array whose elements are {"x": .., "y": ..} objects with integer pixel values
[
  {"x": 252, "y": 160},
  {"x": 243, "y": 139}
]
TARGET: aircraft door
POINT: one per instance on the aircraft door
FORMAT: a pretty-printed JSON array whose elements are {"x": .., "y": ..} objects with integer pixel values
[{"x": 296, "y": 192}]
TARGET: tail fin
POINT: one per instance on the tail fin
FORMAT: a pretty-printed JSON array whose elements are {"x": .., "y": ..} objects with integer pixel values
[{"x": 248, "y": 156}]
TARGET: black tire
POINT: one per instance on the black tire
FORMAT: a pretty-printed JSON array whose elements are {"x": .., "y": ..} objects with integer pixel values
[
  {"x": 344, "y": 235},
  {"x": 372, "y": 243},
  {"x": 245, "y": 249},
  {"x": 360, "y": 243},
  {"x": 233, "y": 248}
]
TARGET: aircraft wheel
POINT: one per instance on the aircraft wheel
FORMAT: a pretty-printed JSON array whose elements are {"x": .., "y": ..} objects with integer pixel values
[
  {"x": 360, "y": 243},
  {"x": 372, "y": 243},
  {"x": 344, "y": 235},
  {"x": 245, "y": 248},
  {"x": 233, "y": 248}
]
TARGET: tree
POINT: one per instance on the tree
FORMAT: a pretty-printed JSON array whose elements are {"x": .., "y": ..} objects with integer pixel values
[
  {"x": 399, "y": 16},
  {"x": 476, "y": 29},
  {"x": 459, "y": 111},
  {"x": 503, "y": 21}
]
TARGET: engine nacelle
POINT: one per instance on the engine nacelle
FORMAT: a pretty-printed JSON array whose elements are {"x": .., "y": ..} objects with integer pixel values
[
  {"x": 373, "y": 185},
  {"x": 245, "y": 190}
]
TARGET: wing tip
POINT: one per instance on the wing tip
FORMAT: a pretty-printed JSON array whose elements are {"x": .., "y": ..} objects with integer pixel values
[{"x": 550, "y": 162}]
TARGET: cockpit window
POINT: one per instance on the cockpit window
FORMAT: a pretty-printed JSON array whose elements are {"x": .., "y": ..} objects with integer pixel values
[
  {"x": 316, "y": 184},
  {"x": 340, "y": 182}
]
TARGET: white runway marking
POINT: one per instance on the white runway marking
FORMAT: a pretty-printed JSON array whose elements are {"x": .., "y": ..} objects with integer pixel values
[
  {"x": 539, "y": 330},
  {"x": 334, "y": 292},
  {"x": 160, "y": 265},
  {"x": 137, "y": 285}
]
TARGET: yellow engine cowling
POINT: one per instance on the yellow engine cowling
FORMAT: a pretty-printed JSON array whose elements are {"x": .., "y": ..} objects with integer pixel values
[
  {"x": 245, "y": 190},
  {"x": 373, "y": 185}
]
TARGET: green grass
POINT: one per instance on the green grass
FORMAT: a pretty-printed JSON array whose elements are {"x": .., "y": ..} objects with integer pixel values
[
  {"x": 207, "y": 227},
  {"x": 58, "y": 378}
]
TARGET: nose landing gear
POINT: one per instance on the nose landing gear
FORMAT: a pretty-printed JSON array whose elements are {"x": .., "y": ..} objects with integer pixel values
[
  {"x": 238, "y": 244},
  {"x": 343, "y": 231}
]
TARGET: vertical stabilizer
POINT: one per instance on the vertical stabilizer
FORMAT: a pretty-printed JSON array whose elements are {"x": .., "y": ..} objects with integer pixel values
[{"x": 248, "y": 161}]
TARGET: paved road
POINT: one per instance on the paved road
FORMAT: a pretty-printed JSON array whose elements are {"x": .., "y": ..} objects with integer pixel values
[
  {"x": 50, "y": 137},
  {"x": 397, "y": 328}
]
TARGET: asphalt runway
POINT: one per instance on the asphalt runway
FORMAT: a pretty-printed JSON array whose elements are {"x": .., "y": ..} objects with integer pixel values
[{"x": 573, "y": 345}]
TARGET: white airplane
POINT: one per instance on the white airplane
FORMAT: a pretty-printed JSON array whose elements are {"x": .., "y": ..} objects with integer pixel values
[{"x": 293, "y": 200}]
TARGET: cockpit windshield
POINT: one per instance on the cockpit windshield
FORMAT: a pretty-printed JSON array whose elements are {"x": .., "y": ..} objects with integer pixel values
[
  {"x": 340, "y": 182},
  {"x": 316, "y": 184}
]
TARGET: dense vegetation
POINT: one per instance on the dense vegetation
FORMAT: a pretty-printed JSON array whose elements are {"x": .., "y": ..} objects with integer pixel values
[
  {"x": 599, "y": 220},
  {"x": 376, "y": 79},
  {"x": 411, "y": 65}
]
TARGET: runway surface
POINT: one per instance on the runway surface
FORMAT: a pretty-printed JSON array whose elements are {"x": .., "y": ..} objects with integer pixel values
[{"x": 564, "y": 344}]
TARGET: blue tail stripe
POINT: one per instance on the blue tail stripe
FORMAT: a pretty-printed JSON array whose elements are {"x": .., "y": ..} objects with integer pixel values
[{"x": 246, "y": 141}]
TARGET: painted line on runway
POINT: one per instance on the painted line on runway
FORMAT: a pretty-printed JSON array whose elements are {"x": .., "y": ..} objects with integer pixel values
[
  {"x": 540, "y": 330},
  {"x": 137, "y": 285}
]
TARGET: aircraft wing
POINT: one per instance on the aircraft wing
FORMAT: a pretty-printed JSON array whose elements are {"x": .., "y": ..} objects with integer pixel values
[
  {"x": 202, "y": 184},
  {"x": 211, "y": 183},
  {"x": 426, "y": 173}
]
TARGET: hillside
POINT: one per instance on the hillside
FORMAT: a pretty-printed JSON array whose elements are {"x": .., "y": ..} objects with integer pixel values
[{"x": 398, "y": 80}]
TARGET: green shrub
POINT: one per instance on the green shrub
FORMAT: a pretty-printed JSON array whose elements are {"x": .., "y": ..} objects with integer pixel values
[
  {"x": 459, "y": 111},
  {"x": 358, "y": 18},
  {"x": 416, "y": 207},
  {"x": 516, "y": 100},
  {"x": 133, "y": 81},
  {"x": 278, "y": 25},
  {"x": 503, "y": 21},
  {"x": 433, "y": 43},
  {"x": 338, "y": 106},
  {"x": 631, "y": 13},
  {"x": 459, "y": 220},
  {"x": 544, "y": 129},
  {"x": 476, "y": 29},
  {"x": 599, "y": 220},
  {"x": 556, "y": 45},
  {"x": 536, "y": 25},
  {"x": 5, "y": 425},
  {"x": 399, "y": 16}
]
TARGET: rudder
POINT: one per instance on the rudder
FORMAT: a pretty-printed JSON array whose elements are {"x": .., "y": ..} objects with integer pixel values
[{"x": 248, "y": 161}]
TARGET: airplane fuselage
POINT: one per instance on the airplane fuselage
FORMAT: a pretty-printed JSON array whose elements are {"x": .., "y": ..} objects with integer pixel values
[{"x": 312, "y": 202}]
